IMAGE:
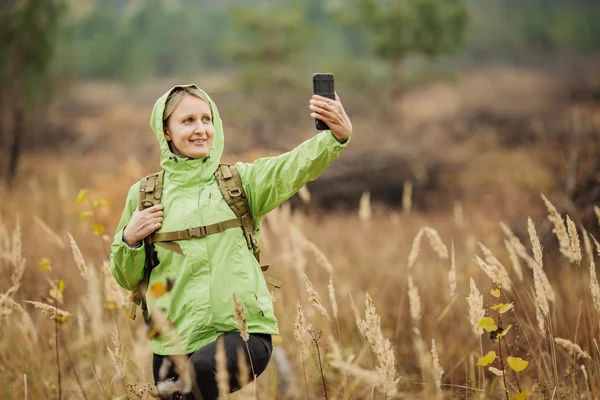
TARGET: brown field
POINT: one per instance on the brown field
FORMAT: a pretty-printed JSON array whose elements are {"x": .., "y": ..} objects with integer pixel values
[{"x": 418, "y": 265}]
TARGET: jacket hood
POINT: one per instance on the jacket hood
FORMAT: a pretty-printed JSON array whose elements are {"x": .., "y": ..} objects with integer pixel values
[{"x": 182, "y": 168}]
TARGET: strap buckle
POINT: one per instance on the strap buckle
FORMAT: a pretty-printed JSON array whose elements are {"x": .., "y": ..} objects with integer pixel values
[
  {"x": 235, "y": 192},
  {"x": 197, "y": 232},
  {"x": 147, "y": 203}
]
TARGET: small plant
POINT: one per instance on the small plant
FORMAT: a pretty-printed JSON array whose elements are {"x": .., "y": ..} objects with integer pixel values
[{"x": 497, "y": 333}]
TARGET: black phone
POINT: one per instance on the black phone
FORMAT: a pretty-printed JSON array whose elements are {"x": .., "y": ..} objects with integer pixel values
[{"x": 323, "y": 85}]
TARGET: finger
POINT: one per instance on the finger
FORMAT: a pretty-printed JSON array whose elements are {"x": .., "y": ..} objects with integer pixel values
[
  {"x": 320, "y": 117},
  {"x": 322, "y": 104},
  {"x": 323, "y": 99},
  {"x": 151, "y": 227},
  {"x": 321, "y": 111},
  {"x": 337, "y": 98},
  {"x": 158, "y": 213},
  {"x": 155, "y": 208}
]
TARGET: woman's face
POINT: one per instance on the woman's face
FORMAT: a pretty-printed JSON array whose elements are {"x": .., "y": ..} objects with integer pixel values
[{"x": 190, "y": 129}]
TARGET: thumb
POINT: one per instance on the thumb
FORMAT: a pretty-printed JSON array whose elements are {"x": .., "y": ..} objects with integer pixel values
[{"x": 337, "y": 98}]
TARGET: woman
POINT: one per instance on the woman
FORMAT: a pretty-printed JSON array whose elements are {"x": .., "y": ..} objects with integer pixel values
[{"x": 200, "y": 305}]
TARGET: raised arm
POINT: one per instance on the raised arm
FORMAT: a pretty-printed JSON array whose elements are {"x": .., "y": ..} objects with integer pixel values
[{"x": 270, "y": 181}]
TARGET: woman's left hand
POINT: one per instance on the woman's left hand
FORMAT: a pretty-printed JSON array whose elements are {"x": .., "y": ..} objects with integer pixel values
[{"x": 333, "y": 114}]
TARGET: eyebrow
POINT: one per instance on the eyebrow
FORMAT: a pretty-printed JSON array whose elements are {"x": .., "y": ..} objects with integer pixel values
[{"x": 194, "y": 115}]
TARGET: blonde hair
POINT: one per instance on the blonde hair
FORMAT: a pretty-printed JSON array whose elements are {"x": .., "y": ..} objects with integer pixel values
[{"x": 175, "y": 98}]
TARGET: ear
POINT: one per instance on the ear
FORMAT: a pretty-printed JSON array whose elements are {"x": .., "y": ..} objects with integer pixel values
[{"x": 167, "y": 135}]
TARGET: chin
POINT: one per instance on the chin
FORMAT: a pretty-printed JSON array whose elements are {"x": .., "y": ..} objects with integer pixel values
[{"x": 198, "y": 154}]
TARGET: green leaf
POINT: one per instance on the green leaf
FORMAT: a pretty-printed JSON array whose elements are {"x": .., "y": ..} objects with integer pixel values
[
  {"x": 488, "y": 324},
  {"x": 517, "y": 363},
  {"x": 487, "y": 359}
]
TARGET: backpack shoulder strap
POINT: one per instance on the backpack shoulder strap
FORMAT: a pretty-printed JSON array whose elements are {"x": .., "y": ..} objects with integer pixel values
[
  {"x": 232, "y": 189},
  {"x": 230, "y": 185},
  {"x": 151, "y": 190},
  {"x": 150, "y": 195}
]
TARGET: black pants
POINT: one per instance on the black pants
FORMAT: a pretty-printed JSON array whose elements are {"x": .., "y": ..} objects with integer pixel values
[{"x": 203, "y": 361}]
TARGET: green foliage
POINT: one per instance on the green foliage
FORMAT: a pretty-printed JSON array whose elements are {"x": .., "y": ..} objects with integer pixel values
[
  {"x": 267, "y": 47},
  {"x": 29, "y": 31},
  {"x": 513, "y": 29},
  {"x": 155, "y": 38},
  {"x": 411, "y": 27}
]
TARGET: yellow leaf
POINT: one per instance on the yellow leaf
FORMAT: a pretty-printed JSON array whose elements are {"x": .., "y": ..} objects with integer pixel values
[
  {"x": 85, "y": 215},
  {"x": 496, "y": 293},
  {"x": 504, "y": 332},
  {"x": 158, "y": 289},
  {"x": 487, "y": 359},
  {"x": 98, "y": 229},
  {"x": 56, "y": 294},
  {"x": 488, "y": 324},
  {"x": 44, "y": 264},
  {"x": 517, "y": 363},
  {"x": 110, "y": 305},
  {"x": 523, "y": 395},
  {"x": 497, "y": 306},
  {"x": 505, "y": 308},
  {"x": 61, "y": 285},
  {"x": 83, "y": 193},
  {"x": 100, "y": 203},
  {"x": 62, "y": 320},
  {"x": 496, "y": 371},
  {"x": 152, "y": 333}
]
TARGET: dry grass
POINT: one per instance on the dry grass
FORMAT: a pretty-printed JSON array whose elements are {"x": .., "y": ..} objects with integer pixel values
[
  {"x": 413, "y": 294},
  {"x": 381, "y": 355}
]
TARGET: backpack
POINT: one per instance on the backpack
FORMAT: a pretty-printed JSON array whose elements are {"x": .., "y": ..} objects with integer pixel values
[{"x": 230, "y": 185}]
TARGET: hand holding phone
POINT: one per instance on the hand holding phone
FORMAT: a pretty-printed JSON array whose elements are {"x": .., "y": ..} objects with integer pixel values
[
  {"x": 327, "y": 109},
  {"x": 323, "y": 85}
]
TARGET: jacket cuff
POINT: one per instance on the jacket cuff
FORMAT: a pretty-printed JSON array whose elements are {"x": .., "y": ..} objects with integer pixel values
[
  {"x": 344, "y": 142},
  {"x": 134, "y": 246}
]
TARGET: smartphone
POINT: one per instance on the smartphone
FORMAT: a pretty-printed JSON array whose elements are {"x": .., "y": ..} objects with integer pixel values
[{"x": 323, "y": 85}]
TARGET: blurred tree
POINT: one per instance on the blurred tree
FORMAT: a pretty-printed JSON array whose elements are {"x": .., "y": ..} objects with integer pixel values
[
  {"x": 267, "y": 41},
  {"x": 402, "y": 28},
  {"x": 148, "y": 38},
  {"x": 29, "y": 37}
]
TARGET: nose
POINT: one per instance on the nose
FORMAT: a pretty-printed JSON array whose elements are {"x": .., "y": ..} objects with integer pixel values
[{"x": 200, "y": 129}]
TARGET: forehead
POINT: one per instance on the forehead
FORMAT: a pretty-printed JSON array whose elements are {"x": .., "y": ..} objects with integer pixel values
[{"x": 192, "y": 105}]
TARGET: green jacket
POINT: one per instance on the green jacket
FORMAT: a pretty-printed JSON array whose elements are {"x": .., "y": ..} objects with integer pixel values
[{"x": 200, "y": 305}]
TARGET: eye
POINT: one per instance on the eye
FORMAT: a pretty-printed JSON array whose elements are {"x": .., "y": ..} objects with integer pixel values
[
  {"x": 206, "y": 119},
  {"x": 188, "y": 120}
]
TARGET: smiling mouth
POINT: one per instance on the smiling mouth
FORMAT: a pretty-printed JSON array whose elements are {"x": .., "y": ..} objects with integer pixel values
[{"x": 198, "y": 141}]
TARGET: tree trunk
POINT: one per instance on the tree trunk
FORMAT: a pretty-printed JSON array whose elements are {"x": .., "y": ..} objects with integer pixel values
[
  {"x": 3, "y": 137},
  {"x": 14, "y": 155}
]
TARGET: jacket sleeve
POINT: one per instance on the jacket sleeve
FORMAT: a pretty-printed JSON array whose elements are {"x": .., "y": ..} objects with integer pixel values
[
  {"x": 127, "y": 263},
  {"x": 270, "y": 181}
]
